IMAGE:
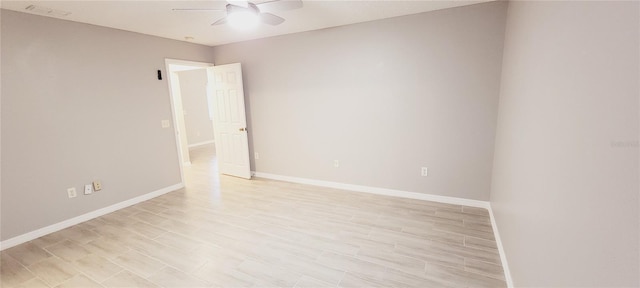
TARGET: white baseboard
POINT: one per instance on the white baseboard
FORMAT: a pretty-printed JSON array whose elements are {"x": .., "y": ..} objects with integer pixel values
[
  {"x": 85, "y": 217},
  {"x": 503, "y": 256},
  {"x": 201, "y": 143},
  {"x": 376, "y": 190}
]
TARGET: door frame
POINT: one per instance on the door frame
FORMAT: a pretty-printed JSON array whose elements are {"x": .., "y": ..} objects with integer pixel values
[{"x": 169, "y": 72}]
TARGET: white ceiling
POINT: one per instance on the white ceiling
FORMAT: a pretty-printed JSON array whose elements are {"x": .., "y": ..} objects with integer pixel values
[{"x": 157, "y": 18}]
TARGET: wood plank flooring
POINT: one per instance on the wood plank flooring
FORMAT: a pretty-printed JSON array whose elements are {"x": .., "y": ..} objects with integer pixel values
[{"x": 226, "y": 232}]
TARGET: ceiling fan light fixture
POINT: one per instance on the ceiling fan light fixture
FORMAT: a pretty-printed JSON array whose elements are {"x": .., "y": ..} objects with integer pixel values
[
  {"x": 242, "y": 14},
  {"x": 243, "y": 19}
]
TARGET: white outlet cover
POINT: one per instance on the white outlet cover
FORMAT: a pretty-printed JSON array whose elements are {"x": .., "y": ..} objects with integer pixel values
[
  {"x": 336, "y": 163},
  {"x": 88, "y": 189},
  {"x": 71, "y": 192}
]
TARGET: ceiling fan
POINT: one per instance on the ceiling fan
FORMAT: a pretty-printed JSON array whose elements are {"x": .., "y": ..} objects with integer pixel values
[{"x": 245, "y": 14}]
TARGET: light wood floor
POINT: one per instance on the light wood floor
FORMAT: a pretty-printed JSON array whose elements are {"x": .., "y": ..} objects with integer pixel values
[{"x": 228, "y": 232}]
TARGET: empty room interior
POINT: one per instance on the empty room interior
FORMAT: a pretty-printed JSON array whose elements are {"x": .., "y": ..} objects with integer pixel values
[{"x": 294, "y": 143}]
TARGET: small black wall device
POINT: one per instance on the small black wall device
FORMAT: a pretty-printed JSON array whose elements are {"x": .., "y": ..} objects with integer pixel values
[{"x": 159, "y": 75}]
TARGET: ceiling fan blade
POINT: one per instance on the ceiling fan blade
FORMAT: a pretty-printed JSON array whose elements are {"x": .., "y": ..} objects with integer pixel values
[
  {"x": 196, "y": 10},
  {"x": 268, "y": 18},
  {"x": 241, "y": 3},
  {"x": 280, "y": 5},
  {"x": 220, "y": 21}
]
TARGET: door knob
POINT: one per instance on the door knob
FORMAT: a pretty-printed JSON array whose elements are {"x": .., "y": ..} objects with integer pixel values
[{"x": 243, "y": 129}]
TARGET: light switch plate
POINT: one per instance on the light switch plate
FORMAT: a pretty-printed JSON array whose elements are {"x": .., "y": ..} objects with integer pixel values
[{"x": 165, "y": 123}]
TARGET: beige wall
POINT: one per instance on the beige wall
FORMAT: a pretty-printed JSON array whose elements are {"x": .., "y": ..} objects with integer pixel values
[
  {"x": 193, "y": 87},
  {"x": 81, "y": 102},
  {"x": 565, "y": 181},
  {"x": 384, "y": 97}
]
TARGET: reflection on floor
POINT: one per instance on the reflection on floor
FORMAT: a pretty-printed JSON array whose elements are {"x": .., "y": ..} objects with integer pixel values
[{"x": 228, "y": 232}]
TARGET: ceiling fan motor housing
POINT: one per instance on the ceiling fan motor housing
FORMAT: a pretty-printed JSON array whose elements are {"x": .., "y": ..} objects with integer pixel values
[{"x": 235, "y": 9}]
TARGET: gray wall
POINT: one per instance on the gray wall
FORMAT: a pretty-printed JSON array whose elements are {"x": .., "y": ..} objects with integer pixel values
[
  {"x": 193, "y": 88},
  {"x": 383, "y": 97},
  {"x": 565, "y": 181},
  {"x": 81, "y": 102}
]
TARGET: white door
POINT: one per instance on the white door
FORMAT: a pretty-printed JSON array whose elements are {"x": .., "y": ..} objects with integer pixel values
[{"x": 229, "y": 122}]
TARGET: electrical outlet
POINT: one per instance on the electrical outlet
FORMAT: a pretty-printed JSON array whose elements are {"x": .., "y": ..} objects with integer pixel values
[
  {"x": 257, "y": 156},
  {"x": 97, "y": 186},
  {"x": 424, "y": 171},
  {"x": 88, "y": 189},
  {"x": 336, "y": 163},
  {"x": 72, "y": 192}
]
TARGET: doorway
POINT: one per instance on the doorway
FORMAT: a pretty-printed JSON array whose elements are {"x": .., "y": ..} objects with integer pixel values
[{"x": 191, "y": 110}]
